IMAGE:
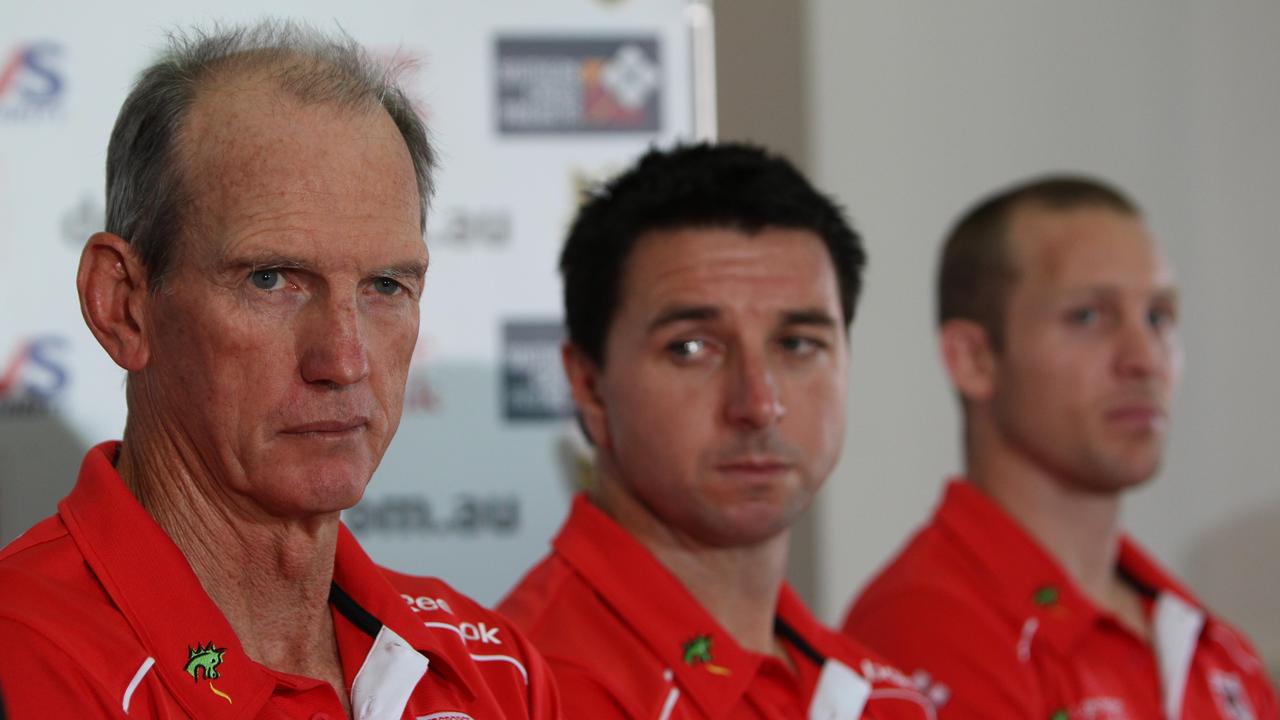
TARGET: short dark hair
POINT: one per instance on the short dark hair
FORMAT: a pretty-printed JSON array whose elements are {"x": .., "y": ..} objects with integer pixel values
[
  {"x": 146, "y": 180},
  {"x": 977, "y": 271},
  {"x": 728, "y": 185}
]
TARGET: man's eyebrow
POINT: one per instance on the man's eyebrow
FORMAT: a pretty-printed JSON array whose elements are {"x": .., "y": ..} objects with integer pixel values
[
  {"x": 682, "y": 313},
  {"x": 262, "y": 260},
  {"x": 413, "y": 270},
  {"x": 1109, "y": 291},
  {"x": 808, "y": 316}
]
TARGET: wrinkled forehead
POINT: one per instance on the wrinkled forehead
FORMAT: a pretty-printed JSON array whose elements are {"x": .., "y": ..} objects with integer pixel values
[
  {"x": 249, "y": 123},
  {"x": 1086, "y": 247},
  {"x": 249, "y": 149}
]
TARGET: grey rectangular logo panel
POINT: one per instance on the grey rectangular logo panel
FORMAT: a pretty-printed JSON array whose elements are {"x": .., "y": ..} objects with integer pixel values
[
  {"x": 578, "y": 85},
  {"x": 533, "y": 382}
]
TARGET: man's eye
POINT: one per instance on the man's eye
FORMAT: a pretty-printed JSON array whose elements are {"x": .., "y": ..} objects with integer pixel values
[
  {"x": 801, "y": 346},
  {"x": 1160, "y": 318},
  {"x": 386, "y": 286},
  {"x": 267, "y": 279},
  {"x": 686, "y": 349},
  {"x": 1083, "y": 316}
]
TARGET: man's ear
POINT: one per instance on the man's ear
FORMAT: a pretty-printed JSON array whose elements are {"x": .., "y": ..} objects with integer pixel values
[
  {"x": 969, "y": 358},
  {"x": 113, "y": 298},
  {"x": 584, "y": 381}
]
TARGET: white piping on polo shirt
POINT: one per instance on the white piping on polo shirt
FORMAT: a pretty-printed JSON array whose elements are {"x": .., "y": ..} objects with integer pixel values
[
  {"x": 1230, "y": 642},
  {"x": 672, "y": 696},
  {"x": 1029, "y": 629},
  {"x": 670, "y": 703},
  {"x": 446, "y": 626},
  {"x": 137, "y": 679},
  {"x": 482, "y": 658},
  {"x": 904, "y": 694},
  {"x": 504, "y": 658}
]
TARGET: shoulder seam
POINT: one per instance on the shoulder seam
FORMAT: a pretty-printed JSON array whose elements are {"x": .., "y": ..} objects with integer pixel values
[
  {"x": 6, "y": 553},
  {"x": 535, "y": 623},
  {"x": 63, "y": 651}
]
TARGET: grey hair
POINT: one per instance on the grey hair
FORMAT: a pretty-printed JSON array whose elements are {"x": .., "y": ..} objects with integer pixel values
[{"x": 146, "y": 192}]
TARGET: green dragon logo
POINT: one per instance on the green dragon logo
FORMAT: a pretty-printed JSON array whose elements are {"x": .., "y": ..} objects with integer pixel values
[
  {"x": 207, "y": 658},
  {"x": 204, "y": 657},
  {"x": 697, "y": 651}
]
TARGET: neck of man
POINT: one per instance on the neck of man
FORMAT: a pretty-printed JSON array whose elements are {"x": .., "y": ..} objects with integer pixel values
[
  {"x": 268, "y": 576},
  {"x": 737, "y": 585},
  {"x": 1078, "y": 527}
]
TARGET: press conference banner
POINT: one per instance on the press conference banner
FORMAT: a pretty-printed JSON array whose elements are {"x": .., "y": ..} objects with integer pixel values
[{"x": 527, "y": 103}]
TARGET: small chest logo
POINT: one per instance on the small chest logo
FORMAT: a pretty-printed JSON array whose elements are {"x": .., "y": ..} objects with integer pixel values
[
  {"x": 1229, "y": 693},
  {"x": 697, "y": 651},
  {"x": 206, "y": 658}
]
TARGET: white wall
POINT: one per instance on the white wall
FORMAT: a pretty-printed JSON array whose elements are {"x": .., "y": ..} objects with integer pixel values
[{"x": 920, "y": 107}]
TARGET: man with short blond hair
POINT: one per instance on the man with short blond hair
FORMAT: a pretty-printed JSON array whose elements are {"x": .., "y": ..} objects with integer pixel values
[{"x": 1023, "y": 597}]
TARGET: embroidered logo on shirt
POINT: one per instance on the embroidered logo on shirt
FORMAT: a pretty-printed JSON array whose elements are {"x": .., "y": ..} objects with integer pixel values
[
  {"x": 1228, "y": 691},
  {"x": 1045, "y": 596},
  {"x": 206, "y": 658},
  {"x": 697, "y": 651}
]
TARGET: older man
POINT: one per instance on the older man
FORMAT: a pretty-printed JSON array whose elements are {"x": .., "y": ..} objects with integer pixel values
[
  {"x": 708, "y": 291},
  {"x": 1023, "y": 597},
  {"x": 259, "y": 281}
]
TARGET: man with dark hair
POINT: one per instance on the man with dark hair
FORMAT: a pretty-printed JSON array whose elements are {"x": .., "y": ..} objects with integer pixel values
[
  {"x": 1023, "y": 597},
  {"x": 259, "y": 281},
  {"x": 708, "y": 293}
]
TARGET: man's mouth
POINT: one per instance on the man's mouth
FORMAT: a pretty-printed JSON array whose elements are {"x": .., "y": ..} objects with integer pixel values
[
  {"x": 1138, "y": 416},
  {"x": 758, "y": 466},
  {"x": 334, "y": 429}
]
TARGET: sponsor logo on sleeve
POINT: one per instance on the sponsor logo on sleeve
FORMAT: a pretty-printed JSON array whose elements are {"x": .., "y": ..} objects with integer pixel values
[{"x": 421, "y": 603}]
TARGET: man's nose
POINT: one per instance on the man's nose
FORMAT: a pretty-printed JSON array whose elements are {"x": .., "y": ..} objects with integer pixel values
[
  {"x": 754, "y": 400},
  {"x": 334, "y": 350},
  {"x": 1144, "y": 350}
]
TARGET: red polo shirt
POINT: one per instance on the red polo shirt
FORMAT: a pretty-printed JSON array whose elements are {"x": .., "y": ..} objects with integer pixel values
[
  {"x": 102, "y": 616},
  {"x": 625, "y": 639},
  {"x": 974, "y": 602}
]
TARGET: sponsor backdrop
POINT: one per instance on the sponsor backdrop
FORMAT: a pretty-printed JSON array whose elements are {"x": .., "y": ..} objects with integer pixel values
[{"x": 527, "y": 102}]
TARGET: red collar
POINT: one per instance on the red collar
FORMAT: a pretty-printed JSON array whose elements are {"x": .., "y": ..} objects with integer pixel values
[
  {"x": 1025, "y": 579},
  {"x": 662, "y": 612},
  {"x": 153, "y": 585}
]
